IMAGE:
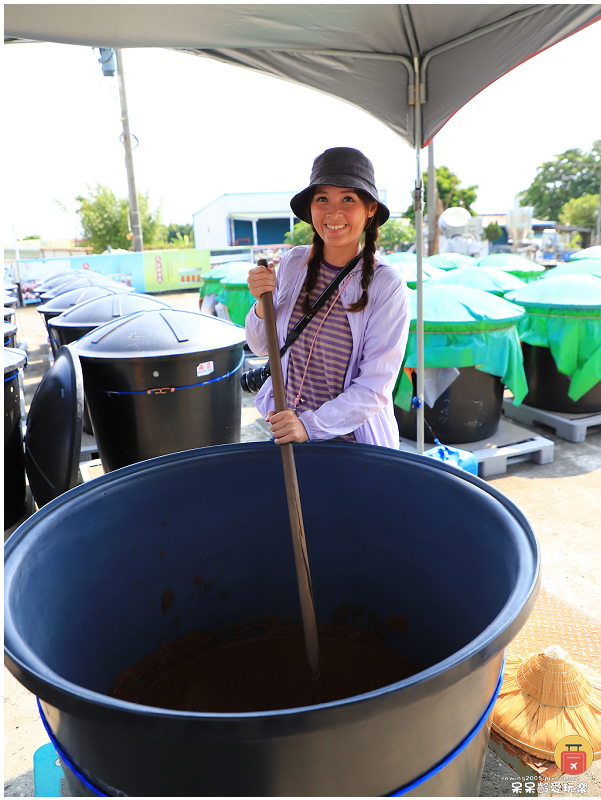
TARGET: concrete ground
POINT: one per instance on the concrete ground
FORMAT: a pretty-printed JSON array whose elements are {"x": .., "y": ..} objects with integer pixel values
[{"x": 562, "y": 500}]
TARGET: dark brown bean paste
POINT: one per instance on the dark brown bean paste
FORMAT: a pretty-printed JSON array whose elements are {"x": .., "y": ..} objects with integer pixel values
[{"x": 260, "y": 669}]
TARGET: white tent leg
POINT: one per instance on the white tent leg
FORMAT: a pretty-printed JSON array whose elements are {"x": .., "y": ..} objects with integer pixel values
[{"x": 419, "y": 247}]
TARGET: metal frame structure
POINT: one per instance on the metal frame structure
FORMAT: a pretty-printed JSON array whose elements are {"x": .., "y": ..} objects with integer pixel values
[{"x": 150, "y": 26}]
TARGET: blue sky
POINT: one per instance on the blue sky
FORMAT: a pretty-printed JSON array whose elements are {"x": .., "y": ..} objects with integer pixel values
[{"x": 205, "y": 128}]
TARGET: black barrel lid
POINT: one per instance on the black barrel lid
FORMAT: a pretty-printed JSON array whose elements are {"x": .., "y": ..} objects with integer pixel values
[
  {"x": 8, "y": 312},
  {"x": 9, "y": 328},
  {"x": 54, "y": 428},
  {"x": 10, "y": 287},
  {"x": 163, "y": 332},
  {"x": 99, "y": 310},
  {"x": 81, "y": 282},
  {"x": 10, "y": 300},
  {"x": 65, "y": 301},
  {"x": 14, "y": 359},
  {"x": 60, "y": 277}
]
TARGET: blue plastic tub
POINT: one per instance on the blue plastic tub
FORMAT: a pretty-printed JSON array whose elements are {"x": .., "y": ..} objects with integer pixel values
[{"x": 394, "y": 532}]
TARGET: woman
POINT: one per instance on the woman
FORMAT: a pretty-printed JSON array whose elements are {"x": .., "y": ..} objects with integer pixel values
[{"x": 341, "y": 371}]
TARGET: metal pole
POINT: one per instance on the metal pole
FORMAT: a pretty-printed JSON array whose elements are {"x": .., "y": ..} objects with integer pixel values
[
  {"x": 17, "y": 272},
  {"x": 431, "y": 199},
  {"x": 134, "y": 208},
  {"x": 420, "y": 255},
  {"x": 598, "y": 232}
]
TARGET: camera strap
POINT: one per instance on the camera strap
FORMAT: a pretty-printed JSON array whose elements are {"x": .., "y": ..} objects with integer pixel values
[{"x": 321, "y": 300}]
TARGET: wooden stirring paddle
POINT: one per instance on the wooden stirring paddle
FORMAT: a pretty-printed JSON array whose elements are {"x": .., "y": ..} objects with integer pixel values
[{"x": 303, "y": 574}]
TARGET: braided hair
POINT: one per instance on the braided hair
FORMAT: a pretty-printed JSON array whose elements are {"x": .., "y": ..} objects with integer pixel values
[{"x": 369, "y": 251}]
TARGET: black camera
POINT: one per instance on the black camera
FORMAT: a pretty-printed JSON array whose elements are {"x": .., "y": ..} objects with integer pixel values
[{"x": 252, "y": 380}]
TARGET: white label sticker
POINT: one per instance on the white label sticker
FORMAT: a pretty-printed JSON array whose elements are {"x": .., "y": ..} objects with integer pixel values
[{"x": 205, "y": 369}]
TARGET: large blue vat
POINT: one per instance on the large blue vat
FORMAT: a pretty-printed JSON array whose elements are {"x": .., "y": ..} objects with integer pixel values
[{"x": 395, "y": 532}]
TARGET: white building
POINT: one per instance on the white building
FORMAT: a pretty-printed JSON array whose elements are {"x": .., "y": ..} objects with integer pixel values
[{"x": 257, "y": 218}]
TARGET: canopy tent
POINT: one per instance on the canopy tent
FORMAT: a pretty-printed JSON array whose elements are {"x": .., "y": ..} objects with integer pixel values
[
  {"x": 460, "y": 49},
  {"x": 410, "y": 66}
]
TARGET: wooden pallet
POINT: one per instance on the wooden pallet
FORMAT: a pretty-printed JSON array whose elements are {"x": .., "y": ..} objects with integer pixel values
[
  {"x": 572, "y": 427},
  {"x": 510, "y": 445},
  {"x": 91, "y": 469}
]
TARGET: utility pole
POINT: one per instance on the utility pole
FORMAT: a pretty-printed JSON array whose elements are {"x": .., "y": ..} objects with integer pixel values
[
  {"x": 17, "y": 275},
  {"x": 134, "y": 207},
  {"x": 431, "y": 200}
]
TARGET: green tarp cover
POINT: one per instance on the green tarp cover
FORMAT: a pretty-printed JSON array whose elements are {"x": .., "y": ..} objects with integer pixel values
[
  {"x": 588, "y": 252},
  {"x": 519, "y": 266},
  {"x": 584, "y": 266},
  {"x": 465, "y": 327},
  {"x": 450, "y": 260},
  {"x": 487, "y": 279},
  {"x": 211, "y": 280},
  {"x": 400, "y": 258},
  {"x": 409, "y": 272},
  {"x": 234, "y": 294},
  {"x": 564, "y": 314}
]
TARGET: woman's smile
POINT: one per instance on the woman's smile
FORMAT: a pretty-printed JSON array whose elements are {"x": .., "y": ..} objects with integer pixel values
[{"x": 339, "y": 217}]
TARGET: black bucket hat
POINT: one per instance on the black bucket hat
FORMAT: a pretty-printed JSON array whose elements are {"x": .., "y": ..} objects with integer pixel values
[{"x": 344, "y": 167}]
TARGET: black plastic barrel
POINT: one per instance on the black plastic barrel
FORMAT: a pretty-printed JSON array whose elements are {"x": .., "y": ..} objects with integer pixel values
[
  {"x": 63, "y": 302},
  {"x": 468, "y": 411},
  {"x": 54, "y": 427},
  {"x": 76, "y": 322},
  {"x": 161, "y": 381},
  {"x": 463, "y": 572},
  {"x": 80, "y": 282},
  {"x": 15, "y": 498},
  {"x": 61, "y": 277},
  {"x": 9, "y": 334},
  {"x": 548, "y": 388}
]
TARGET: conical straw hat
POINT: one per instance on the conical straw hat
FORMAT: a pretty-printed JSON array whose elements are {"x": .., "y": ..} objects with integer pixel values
[{"x": 545, "y": 697}]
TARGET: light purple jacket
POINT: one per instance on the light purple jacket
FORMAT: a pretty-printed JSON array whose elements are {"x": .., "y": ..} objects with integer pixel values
[{"x": 379, "y": 334}]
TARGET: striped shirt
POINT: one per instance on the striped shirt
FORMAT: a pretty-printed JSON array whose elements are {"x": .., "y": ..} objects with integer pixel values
[{"x": 331, "y": 353}]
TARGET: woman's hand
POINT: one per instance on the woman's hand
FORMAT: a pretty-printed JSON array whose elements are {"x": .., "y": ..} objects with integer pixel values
[
  {"x": 287, "y": 427},
  {"x": 261, "y": 280}
]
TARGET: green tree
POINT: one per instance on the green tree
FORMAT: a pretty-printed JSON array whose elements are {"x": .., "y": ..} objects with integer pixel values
[
  {"x": 34, "y": 236},
  {"x": 302, "y": 233},
  {"x": 450, "y": 193},
  {"x": 580, "y": 211},
  {"x": 570, "y": 175},
  {"x": 493, "y": 231},
  {"x": 174, "y": 237},
  {"x": 104, "y": 219},
  {"x": 177, "y": 234},
  {"x": 394, "y": 233}
]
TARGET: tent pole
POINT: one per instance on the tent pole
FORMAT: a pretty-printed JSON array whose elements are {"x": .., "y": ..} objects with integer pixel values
[
  {"x": 431, "y": 200},
  {"x": 598, "y": 230},
  {"x": 419, "y": 246}
]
